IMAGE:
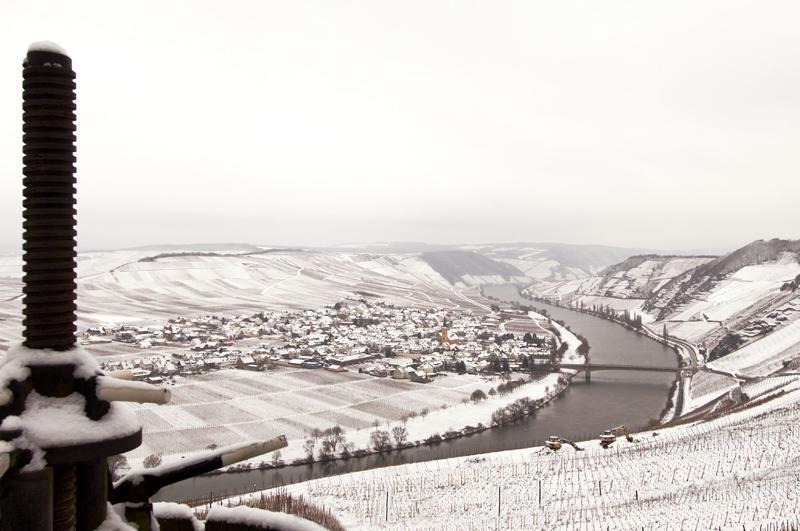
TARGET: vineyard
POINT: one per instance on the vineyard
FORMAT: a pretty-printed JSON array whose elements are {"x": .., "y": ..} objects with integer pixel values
[
  {"x": 741, "y": 471},
  {"x": 233, "y": 405}
]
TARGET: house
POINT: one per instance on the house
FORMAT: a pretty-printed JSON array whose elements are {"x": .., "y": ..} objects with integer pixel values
[
  {"x": 243, "y": 361},
  {"x": 400, "y": 373},
  {"x": 426, "y": 368},
  {"x": 140, "y": 374},
  {"x": 418, "y": 376}
]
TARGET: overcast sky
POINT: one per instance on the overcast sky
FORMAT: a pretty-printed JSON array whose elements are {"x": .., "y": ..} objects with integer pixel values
[{"x": 672, "y": 124}]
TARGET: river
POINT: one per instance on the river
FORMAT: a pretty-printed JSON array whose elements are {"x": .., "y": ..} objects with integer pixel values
[{"x": 581, "y": 412}]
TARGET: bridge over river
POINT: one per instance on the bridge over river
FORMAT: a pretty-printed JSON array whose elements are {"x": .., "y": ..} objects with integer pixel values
[{"x": 587, "y": 368}]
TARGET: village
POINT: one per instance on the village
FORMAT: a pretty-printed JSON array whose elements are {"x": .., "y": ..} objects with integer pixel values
[{"x": 366, "y": 336}]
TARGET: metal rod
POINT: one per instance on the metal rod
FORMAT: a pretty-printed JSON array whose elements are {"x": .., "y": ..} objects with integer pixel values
[{"x": 49, "y": 199}]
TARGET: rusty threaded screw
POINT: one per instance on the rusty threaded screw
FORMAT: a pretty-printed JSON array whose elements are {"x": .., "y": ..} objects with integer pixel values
[{"x": 49, "y": 199}]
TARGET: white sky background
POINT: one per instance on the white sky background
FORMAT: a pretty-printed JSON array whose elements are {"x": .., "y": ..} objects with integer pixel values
[{"x": 655, "y": 124}]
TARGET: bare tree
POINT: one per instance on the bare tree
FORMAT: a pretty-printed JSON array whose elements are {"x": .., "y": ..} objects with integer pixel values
[
  {"x": 152, "y": 461},
  {"x": 380, "y": 440},
  {"x": 308, "y": 448},
  {"x": 347, "y": 449},
  {"x": 118, "y": 465},
  {"x": 400, "y": 434},
  {"x": 334, "y": 437},
  {"x": 477, "y": 395},
  {"x": 276, "y": 458}
]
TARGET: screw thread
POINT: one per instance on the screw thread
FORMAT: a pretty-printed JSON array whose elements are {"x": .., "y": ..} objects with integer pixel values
[{"x": 49, "y": 253}]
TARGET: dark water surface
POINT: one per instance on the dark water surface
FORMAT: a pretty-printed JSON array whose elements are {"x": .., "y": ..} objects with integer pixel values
[{"x": 581, "y": 412}]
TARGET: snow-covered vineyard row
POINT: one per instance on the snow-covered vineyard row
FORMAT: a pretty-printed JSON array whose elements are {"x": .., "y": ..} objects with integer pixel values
[
  {"x": 234, "y": 405},
  {"x": 738, "y": 471}
]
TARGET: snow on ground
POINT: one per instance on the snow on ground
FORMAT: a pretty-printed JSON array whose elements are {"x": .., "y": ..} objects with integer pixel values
[
  {"x": 557, "y": 290},
  {"x": 230, "y": 406},
  {"x": 641, "y": 278},
  {"x": 539, "y": 268},
  {"x": 622, "y": 287},
  {"x": 735, "y": 472},
  {"x": 565, "y": 336},
  {"x": 741, "y": 290},
  {"x": 765, "y": 355},
  {"x": 128, "y": 286},
  {"x": 689, "y": 330},
  {"x": 259, "y": 519},
  {"x": 705, "y": 387}
]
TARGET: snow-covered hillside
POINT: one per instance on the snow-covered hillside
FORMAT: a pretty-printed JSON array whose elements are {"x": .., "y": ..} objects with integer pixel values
[
  {"x": 721, "y": 304},
  {"x": 634, "y": 279},
  {"x": 147, "y": 284},
  {"x": 733, "y": 472},
  {"x": 142, "y": 286},
  {"x": 693, "y": 284}
]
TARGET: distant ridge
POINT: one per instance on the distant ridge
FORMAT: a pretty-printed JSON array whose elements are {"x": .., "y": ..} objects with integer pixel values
[{"x": 455, "y": 265}]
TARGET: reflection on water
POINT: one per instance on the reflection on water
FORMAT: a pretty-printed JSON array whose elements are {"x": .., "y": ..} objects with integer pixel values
[{"x": 581, "y": 412}]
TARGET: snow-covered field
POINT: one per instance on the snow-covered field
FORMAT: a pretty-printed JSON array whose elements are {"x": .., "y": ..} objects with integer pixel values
[
  {"x": 735, "y": 472},
  {"x": 690, "y": 330},
  {"x": 229, "y": 406},
  {"x": 705, "y": 387}
]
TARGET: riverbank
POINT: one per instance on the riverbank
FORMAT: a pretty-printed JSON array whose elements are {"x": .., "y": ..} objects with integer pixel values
[
  {"x": 427, "y": 429},
  {"x": 715, "y": 473},
  {"x": 580, "y": 411},
  {"x": 675, "y": 398},
  {"x": 614, "y": 316},
  {"x": 505, "y": 399}
]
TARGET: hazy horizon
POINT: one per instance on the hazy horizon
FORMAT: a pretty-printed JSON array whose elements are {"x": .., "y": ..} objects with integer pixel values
[
  {"x": 646, "y": 125},
  {"x": 375, "y": 246}
]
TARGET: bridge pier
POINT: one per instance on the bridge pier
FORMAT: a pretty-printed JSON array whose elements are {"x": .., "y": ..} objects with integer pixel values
[{"x": 587, "y": 375}]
